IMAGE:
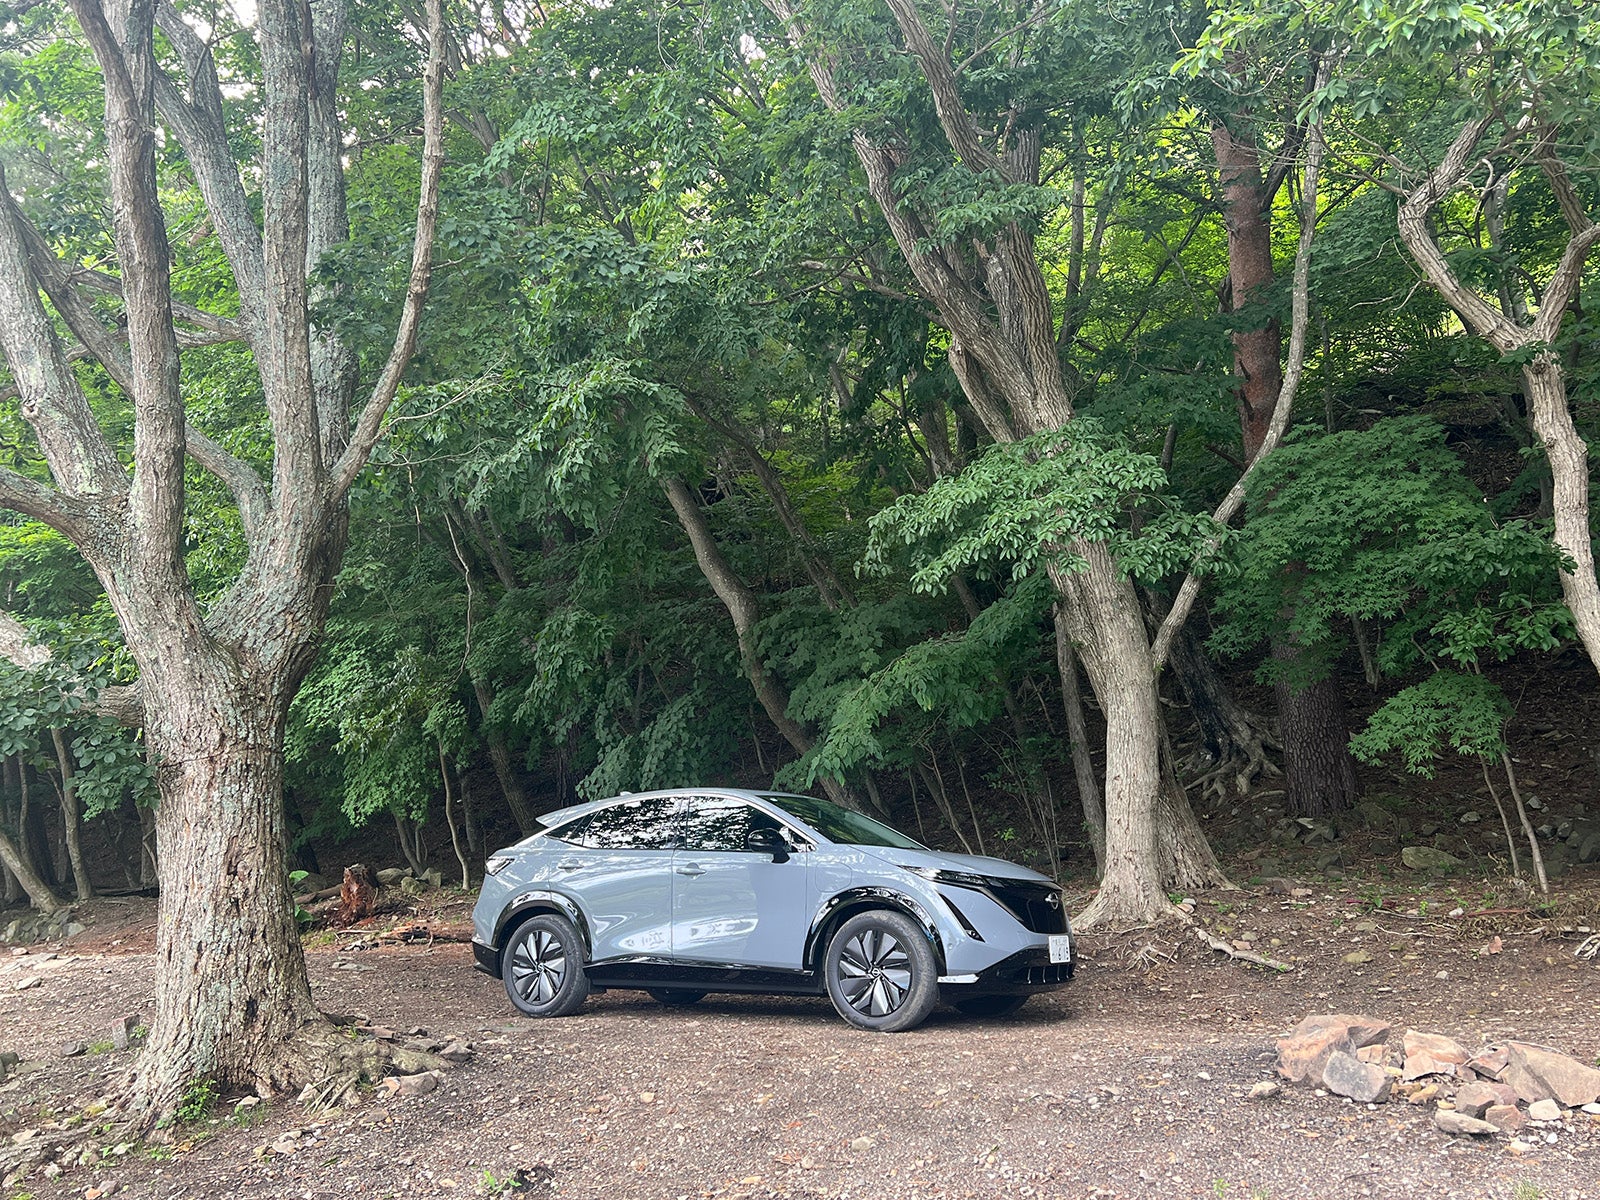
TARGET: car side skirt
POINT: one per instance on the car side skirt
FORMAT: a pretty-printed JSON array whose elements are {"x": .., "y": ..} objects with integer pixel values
[{"x": 645, "y": 972}]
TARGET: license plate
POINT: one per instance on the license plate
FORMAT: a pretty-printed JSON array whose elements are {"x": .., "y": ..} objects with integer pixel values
[{"x": 1060, "y": 947}]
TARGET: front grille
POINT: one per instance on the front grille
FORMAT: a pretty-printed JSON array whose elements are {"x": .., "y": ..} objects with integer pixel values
[{"x": 1030, "y": 904}]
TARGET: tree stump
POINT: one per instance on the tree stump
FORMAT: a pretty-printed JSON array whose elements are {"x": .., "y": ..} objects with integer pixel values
[{"x": 357, "y": 895}]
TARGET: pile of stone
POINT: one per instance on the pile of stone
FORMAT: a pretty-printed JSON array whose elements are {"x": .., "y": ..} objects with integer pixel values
[
  {"x": 41, "y": 927},
  {"x": 1497, "y": 1090}
]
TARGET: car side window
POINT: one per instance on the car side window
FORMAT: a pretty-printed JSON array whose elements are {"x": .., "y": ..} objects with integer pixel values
[
  {"x": 723, "y": 823},
  {"x": 635, "y": 825},
  {"x": 715, "y": 823},
  {"x": 570, "y": 831}
]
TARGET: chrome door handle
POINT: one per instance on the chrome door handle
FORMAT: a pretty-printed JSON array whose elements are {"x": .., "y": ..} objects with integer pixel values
[
  {"x": 568, "y": 864},
  {"x": 691, "y": 869}
]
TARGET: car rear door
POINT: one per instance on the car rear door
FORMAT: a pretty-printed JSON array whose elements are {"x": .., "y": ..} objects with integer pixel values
[
  {"x": 732, "y": 905},
  {"x": 622, "y": 877}
]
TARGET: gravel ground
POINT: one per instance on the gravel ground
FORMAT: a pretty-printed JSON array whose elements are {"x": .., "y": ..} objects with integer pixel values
[{"x": 1130, "y": 1083}]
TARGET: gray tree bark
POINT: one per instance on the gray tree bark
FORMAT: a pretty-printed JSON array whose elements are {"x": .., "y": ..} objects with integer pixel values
[{"x": 232, "y": 1001}]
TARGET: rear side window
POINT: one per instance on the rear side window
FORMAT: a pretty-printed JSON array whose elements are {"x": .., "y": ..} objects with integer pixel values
[
  {"x": 570, "y": 831},
  {"x": 634, "y": 825}
]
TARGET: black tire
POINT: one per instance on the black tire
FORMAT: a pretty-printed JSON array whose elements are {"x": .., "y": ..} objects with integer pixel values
[
  {"x": 989, "y": 1006},
  {"x": 676, "y": 997},
  {"x": 881, "y": 972},
  {"x": 543, "y": 967}
]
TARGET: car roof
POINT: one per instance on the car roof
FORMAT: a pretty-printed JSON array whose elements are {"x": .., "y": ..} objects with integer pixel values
[{"x": 767, "y": 800}]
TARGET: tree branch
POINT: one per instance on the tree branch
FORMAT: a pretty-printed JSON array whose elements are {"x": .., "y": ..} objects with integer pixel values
[
  {"x": 1483, "y": 318},
  {"x": 52, "y": 402},
  {"x": 122, "y": 703},
  {"x": 202, "y": 129},
  {"x": 370, "y": 422},
  {"x": 953, "y": 116}
]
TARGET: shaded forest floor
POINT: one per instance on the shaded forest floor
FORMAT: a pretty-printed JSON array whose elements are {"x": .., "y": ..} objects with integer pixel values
[{"x": 1129, "y": 1083}]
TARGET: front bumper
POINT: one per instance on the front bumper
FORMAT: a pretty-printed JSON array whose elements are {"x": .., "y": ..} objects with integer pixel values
[{"x": 1022, "y": 973}]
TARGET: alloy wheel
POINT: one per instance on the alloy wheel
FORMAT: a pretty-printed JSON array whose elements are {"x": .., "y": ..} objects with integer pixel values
[
  {"x": 874, "y": 973},
  {"x": 538, "y": 965}
]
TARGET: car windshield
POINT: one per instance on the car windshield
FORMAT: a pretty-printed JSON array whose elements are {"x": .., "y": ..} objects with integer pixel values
[{"x": 843, "y": 826}]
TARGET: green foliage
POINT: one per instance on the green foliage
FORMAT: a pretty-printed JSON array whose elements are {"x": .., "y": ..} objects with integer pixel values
[
  {"x": 1023, "y": 502},
  {"x": 1466, "y": 713},
  {"x": 1382, "y": 525}
]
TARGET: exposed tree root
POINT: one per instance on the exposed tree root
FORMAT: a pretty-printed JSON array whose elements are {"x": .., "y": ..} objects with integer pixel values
[
  {"x": 1249, "y": 956},
  {"x": 1234, "y": 768}
]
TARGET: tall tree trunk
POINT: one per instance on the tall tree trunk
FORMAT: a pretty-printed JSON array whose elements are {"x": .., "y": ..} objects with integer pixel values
[
  {"x": 1083, "y": 771},
  {"x": 745, "y": 611},
  {"x": 232, "y": 999},
  {"x": 1247, "y": 213},
  {"x": 505, "y": 767},
  {"x": 40, "y": 894},
  {"x": 1568, "y": 456},
  {"x": 70, "y": 818}
]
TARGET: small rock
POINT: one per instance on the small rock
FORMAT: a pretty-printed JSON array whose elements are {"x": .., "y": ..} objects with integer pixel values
[
  {"x": 1347, "y": 1075},
  {"x": 647, "y": 1097},
  {"x": 1490, "y": 1062},
  {"x": 1592, "y": 1109},
  {"x": 1471, "y": 818},
  {"x": 1476, "y": 1097},
  {"x": 247, "y": 1102},
  {"x": 457, "y": 1053},
  {"x": 1423, "y": 1095},
  {"x": 412, "y": 887},
  {"x": 72, "y": 1050},
  {"x": 1358, "y": 957},
  {"x": 862, "y": 1143},
  {"x": 1266, "y": 1089},
  {"x": 1493, "y": 946},
  {"x": 413, "y": 1085},
  {"x": 122, "y": 1032},
  {"x": 390, "y": 876},
  {"x": 1454, "y": 1122},
  {"x": 433, "y": 877},
  {"x": 1373, "y": 1054},
  {"x": 1426, "y": 858},
  {"x": 1507, "y": 1118},
  {"x": 1544, "y": 1110},
  {"x": 29, "y": 983}
]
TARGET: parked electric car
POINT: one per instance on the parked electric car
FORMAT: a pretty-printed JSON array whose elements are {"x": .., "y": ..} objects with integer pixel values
[{"x": 685, "y": 892}]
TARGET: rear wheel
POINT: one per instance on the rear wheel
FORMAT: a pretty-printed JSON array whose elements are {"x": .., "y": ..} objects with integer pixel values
[
  {"x": 989, "y": 1006},
  {"x": 543, "y": 967},
  {"x": 881, "y": 972},
  {"x": 675, "y": 997}
]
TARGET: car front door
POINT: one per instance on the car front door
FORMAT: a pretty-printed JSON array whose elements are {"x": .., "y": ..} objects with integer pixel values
[
  {"x": 622, "y": 877},
  {"x": 731, "y": 902}
]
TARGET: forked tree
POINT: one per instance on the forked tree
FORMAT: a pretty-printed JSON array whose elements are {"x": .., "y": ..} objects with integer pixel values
[
  {"x": 990, "y": 293},
  {"x": 232, "y": 1001}
]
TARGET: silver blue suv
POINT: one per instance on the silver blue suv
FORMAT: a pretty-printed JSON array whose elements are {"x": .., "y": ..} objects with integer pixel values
[{"x": 691, "y": 891}]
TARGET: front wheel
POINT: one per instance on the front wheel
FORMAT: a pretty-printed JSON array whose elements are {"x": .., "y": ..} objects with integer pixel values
[
  {"x": 881, "y": 972},
  {"x": 989, "y": 1006},
  {"x": 543, "y": 970}
]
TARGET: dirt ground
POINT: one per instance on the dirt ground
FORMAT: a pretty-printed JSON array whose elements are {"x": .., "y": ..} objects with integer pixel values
[{"x": 1129, "y": 1083}]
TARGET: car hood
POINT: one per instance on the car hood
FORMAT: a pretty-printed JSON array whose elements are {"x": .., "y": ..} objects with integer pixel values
[{"x": 976, "y": 864}]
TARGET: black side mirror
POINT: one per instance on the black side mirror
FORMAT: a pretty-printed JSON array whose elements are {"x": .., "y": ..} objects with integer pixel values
[{"x": 768, "y": 841}]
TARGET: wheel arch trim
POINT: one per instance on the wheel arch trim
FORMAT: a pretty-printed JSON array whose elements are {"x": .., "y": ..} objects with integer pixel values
[
  {"x": 542, "y": 900},
  {"x": 846, "y": 904}
]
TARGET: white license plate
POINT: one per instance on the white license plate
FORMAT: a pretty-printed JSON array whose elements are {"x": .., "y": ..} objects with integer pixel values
[{"x": 1060, "y": 947}]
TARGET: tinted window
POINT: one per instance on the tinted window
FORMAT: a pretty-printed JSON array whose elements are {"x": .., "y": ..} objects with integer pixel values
[
  {"x": 722, "y": 823},
  {"x": 843, "y": 826},
  {"x": 634, "y": 825},
  {"x": 570, "y": 831}
]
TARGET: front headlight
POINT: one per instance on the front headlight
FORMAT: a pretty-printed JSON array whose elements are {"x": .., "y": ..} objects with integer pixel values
[
  {"x": 954, "y": 878},
  {"x": 497, "y": 864}
]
